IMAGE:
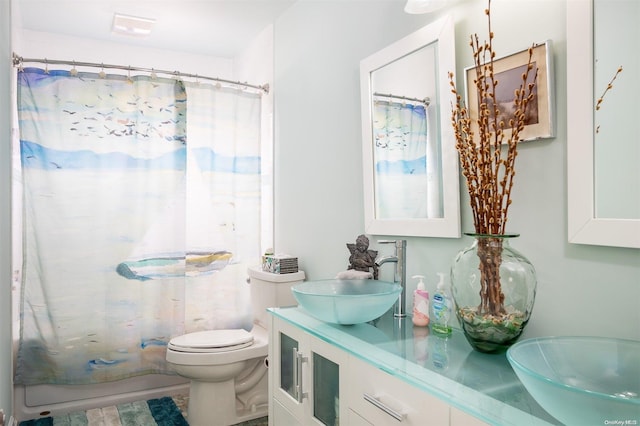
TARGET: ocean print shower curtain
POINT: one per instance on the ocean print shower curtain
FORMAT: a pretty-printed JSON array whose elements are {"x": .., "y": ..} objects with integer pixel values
[
  {"x": 133, "y": 220},
  {"x": 406, "y": 162}
]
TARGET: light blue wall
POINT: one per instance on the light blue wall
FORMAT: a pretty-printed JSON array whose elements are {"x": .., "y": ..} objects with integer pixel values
[
  {"x": 5, "y": 209},
  {"x": 582, "y": 289}
]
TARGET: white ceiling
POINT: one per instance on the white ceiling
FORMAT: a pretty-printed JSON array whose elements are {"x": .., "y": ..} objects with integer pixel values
[{"x": 218, "y": 28}]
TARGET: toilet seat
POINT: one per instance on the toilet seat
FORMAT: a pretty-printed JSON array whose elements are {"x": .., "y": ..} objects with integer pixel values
[{"x": 212, "y": 341}]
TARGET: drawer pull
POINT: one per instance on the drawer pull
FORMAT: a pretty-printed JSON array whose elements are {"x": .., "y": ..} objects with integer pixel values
[{"x": 390, "y": 411}]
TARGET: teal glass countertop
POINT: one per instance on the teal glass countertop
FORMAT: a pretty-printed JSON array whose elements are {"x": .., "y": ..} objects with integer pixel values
[{"x": 483, "y": 385}]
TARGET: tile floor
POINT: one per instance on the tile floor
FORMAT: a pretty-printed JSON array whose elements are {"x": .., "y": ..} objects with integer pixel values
[{"x": 182, "y": 401}]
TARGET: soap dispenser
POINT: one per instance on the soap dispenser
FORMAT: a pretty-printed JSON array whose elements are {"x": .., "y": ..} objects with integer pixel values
[
  {"x": 420, "y": 304},
  {"x": 441, "y": 309}
]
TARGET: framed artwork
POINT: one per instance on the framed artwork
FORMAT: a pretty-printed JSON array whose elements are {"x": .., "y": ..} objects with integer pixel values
[{"x": 539, "y": 123}]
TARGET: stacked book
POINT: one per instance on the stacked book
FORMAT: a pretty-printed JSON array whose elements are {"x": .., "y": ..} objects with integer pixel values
[{"x": 279, "y": 263}]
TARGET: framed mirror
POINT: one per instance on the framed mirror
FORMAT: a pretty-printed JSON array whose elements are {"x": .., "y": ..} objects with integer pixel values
[
  {"x": 410, "y": 164},
  {"x": 603, "y": 149}
]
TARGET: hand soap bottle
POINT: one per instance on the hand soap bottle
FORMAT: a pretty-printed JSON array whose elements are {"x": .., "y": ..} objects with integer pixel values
[
  {"x": 441, "y": 309},
  {"x": 420, "y": 304}
]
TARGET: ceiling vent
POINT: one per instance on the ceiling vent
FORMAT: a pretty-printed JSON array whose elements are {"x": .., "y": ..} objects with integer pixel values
[{"x": 132, "y": 25}]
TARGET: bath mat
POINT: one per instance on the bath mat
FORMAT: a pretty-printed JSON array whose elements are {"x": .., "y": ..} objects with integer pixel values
[{"x": 160, "y": 412}]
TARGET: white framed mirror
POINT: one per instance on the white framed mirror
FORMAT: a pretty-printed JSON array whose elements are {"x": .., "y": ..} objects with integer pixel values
[
  {"x": 599, "y": 214},
  {"x": 410, "y": 164}
]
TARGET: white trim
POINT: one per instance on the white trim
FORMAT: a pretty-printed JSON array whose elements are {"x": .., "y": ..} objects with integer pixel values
[{"x": 442, "y": 32}]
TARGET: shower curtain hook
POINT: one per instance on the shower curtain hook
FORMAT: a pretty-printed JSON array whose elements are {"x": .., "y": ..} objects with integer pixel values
[
  {"x": 46, "y": 66},
  {"x": 102, "y": 74},
  {"x": 129, "y": 74},
  {"x": 153, "y": 76},
  {"x": 73, "y": 70}
]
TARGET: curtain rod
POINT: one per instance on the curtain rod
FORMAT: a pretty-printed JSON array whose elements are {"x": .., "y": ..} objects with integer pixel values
[
  {"x": 18, "y": 61},
  {"x": 404, "y": 98}
]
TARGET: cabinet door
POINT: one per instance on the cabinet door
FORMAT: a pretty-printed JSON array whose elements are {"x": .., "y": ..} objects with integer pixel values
[
  {"x": 280, "y": 416},
  {"x": 287, "y": 363},
  {"x": 328, "y": 383},
  {"x": 307, "y": 376}
]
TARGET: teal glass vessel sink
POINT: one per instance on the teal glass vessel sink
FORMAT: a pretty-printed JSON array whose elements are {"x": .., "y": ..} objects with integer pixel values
[
  {"x": 581, "y": 380},
  {"x": 346, "y": 302}
]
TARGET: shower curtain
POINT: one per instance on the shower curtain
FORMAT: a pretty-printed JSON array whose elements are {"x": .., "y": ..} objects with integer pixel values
[
  {"x": 406, "y": 162},
  {"x": 141, "y": 201}
]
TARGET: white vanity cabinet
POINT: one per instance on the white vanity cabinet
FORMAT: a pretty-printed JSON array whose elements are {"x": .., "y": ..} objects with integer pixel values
[
  {"x": 381, "y": 399},
  {"x": 312, "y": 382},
  {"x": 378, "y": 398},
  {"x": 307, "y": 378}
]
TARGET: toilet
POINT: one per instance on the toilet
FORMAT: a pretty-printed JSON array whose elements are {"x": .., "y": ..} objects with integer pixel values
[{"x": 228, "y": 368}]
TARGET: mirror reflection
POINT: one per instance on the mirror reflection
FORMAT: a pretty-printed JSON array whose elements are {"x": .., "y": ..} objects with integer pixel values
[
  {"x": 405, "y": 138},
  {"x": 617, "y": 137}
]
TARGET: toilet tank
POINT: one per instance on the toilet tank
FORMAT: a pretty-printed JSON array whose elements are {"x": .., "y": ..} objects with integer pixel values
[{"x": 270, "y": 290}]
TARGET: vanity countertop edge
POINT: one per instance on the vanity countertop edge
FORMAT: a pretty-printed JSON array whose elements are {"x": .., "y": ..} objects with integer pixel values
[{"x": 481, "y": 385}]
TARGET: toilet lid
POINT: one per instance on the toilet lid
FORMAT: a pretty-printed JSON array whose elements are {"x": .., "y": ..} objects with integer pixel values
[{"x": 212, "y": 341}]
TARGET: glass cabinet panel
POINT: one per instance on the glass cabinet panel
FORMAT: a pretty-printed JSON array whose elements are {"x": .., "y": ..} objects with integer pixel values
[
  {"x": 287, "y": 361},
  {"x": 326, "y": 392}
]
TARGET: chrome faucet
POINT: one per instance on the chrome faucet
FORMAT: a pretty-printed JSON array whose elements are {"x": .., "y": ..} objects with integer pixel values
[{"x": 400, "y": 275}]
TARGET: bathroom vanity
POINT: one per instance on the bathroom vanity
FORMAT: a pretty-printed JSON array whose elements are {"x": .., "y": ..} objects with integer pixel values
[{"x": 387, "y": 372}]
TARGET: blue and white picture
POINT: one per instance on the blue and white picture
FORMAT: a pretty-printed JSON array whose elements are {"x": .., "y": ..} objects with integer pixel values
[{"x": 405, "y": 162}]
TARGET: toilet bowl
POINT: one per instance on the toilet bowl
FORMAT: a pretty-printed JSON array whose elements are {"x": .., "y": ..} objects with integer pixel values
[
  {"x": 228, "y": 368},
  {"x": 216, "y": 362}
]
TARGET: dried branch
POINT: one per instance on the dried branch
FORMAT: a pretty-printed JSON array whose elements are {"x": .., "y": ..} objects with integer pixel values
[
  {"x": 488, "y": 168},
  {"x": 609, "y": 87}
]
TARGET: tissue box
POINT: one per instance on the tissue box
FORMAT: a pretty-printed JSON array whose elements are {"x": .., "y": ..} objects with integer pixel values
[{"x": 279, "y": 263}]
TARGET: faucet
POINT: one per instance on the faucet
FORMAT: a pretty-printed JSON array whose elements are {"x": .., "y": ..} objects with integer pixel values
[{"x": 400, "y": 275}]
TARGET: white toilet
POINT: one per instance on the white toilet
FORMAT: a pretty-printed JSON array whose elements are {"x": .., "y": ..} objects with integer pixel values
[{"x": 227, "y": 368}]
